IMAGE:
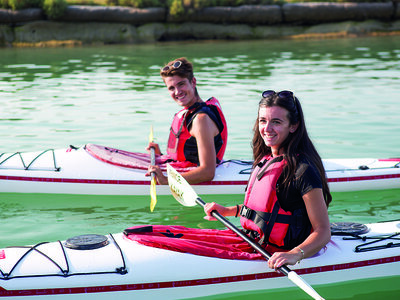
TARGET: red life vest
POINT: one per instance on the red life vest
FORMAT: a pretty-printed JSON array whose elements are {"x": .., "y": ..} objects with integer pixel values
[
  {"x": 180, "y": 139},
  {"x": 262, "y": 215}
]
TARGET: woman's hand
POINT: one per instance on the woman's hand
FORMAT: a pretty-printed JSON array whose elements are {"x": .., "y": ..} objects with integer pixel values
[
  {"x": 278, "y": 259},
  {"x": 223, "y": 211},
  {"x": 319, "y": 237},
  {"x": 209, "y": 207}
]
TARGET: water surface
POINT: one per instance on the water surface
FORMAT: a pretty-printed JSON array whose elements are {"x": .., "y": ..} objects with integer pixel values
[{"x": 111, "y": 95}]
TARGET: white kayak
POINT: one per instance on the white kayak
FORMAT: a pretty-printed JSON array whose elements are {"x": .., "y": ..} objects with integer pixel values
[
  {"x": 115, "y": 267},
  {"x": 99, "y": 170}
]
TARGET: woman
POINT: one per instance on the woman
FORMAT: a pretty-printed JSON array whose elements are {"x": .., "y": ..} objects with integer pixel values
[
  {"x": 287, "y": 196},
  {"x": 198, "y": 134}
]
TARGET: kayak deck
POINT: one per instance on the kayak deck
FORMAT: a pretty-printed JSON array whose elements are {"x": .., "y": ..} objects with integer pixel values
[
  {"x": 126, "y": 269},
  {"x": 76, "y": 171}
]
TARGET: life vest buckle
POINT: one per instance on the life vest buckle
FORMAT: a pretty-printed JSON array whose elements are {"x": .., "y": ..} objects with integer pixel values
[{"x": 246, "y": 212}]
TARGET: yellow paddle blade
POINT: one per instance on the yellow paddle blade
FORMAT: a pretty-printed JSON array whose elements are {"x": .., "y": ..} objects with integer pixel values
[
  {"x": 153, "y": 196},
  {"x": 151, "y": 137},
  {"x": 153, "y": 200}
]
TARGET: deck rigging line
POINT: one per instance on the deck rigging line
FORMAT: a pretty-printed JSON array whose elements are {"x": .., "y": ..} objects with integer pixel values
[{"x": 28, "y": 166}]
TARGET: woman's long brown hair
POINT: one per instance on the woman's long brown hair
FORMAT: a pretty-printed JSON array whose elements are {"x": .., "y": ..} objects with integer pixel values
[{"x": 296, "y": 143}]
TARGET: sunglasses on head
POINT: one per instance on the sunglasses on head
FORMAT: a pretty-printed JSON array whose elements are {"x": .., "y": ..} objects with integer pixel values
[
  {"x": 281, "y": 94},
  {"x": 175, "y": 65}
]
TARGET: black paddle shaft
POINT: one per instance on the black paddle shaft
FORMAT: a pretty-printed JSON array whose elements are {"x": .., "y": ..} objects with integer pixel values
[{"x": 256, "y": 246}]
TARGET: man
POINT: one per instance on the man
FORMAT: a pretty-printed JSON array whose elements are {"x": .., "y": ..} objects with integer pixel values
[{"x": 198, "y": 134}]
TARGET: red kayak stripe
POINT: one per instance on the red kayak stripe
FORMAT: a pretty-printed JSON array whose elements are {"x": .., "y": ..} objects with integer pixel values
[
  {"x": 389, "y": 159},
  {"x": 186, "y": 283},
  {"x": 73, "y": 180},
  {"x": 106, "y": 181},
  {"x": 145, "y": 182},
  {"x": 360, "y": 178}
]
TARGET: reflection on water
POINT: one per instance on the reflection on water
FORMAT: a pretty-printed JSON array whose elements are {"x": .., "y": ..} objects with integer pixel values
[
  {"x": 111, "y": 95},
  {"x": 32, "y": 218},
  {"x": 365, "y": 206},
  {"x": 56, "y": 217}
]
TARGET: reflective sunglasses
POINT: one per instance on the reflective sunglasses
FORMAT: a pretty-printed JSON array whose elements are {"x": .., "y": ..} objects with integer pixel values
[
  {"x": 282, "y": 94},
  {"x": 175, "y": 65}
]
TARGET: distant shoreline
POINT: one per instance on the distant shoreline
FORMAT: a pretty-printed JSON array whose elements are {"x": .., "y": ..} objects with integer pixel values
[{"x": 87, "y": 25}]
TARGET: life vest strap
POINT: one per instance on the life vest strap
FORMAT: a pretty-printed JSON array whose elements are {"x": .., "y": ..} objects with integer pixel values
[
  {"x": 267, "y": 227},
  {"x": 265, "y": 221},
  {"x": 262, "y": 171},
  {"x": 251, "y": 214}
]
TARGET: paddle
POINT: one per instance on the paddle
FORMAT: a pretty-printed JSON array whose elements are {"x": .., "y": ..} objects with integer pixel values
[
  {"x": 153, "y": 196},
  {"x": 185, "y": 194}
]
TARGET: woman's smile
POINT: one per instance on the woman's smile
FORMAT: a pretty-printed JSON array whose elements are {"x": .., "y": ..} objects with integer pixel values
[{"x": 274, "y": 126}]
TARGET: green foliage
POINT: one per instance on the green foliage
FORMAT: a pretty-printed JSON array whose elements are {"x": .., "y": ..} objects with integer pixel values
[
  {"x": 176, "y": 8},
  {"x": 21, "y": 4},
  {"x": 88, "y": 2},
  {"x": 139, "y": 3},
  {"x": 186, "y": 7},
  {"x": 4, "y": 4},
  {"x": 54, "y": 9},
  {"x": 112, "y": 2}
]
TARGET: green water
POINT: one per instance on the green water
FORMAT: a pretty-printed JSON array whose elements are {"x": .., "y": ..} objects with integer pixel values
[
  {"x": 111, "y": 95},
  {"x": 362, "y": 289},
  {"x": 27, "y": 219}
]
